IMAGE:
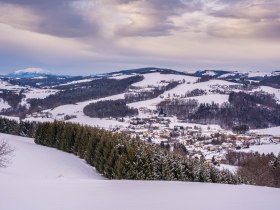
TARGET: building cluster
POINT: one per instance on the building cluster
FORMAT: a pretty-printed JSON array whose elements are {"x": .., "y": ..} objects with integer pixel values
[{"x": 208, "y": 143}]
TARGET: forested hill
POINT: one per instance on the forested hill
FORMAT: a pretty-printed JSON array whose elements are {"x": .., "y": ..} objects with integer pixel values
[{"x": 216, "y": 97}]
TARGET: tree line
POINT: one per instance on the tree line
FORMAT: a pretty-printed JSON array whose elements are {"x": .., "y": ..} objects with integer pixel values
[
  {"x": 273, "y": 81},
  {"x": 26, "y": 129},
  {"x": 12, "y": 98},
  {"x": 118, "y": 156},
  {"x": 136, "y": 96},
  {"x": 95, "y": 89},
  {"x": 263, "y": 170},
  {"x": 256, "y": 110},
  {"x": 109, "y": 108}
]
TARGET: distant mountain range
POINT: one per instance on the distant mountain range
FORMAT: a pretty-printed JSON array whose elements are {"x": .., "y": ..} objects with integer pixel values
[
  {"x": 147, "y": 87},
  {"x": 219, "y": 74},
  {"x": 40, "y": 77}
]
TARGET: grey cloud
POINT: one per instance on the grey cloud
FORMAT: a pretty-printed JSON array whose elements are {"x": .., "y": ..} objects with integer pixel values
[
  {"x": 36, "y": 3},
  {"x": 163, "y": 4},
  {"x": 159, "y": 29},
  {"x": 247, "y": 9},
  {"x": 270, "y": 30},
  {"x": 253, "y": 19},
  {"x": 67, "y": 24},
  {"x": 57, "y": 18}
]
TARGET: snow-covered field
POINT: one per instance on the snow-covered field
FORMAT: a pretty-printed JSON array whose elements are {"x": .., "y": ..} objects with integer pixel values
[
  {"x": 60, "y": 112},
  {"x": 182, "y": 89},
  {"x": 7, "y": 86},
  {"x": 4, "y": 104},
  {"x": 77, "y": 82},
  {"x": 266, "y": 149},
  {"x": 47, "y": 179},
  {"x": 207, "y": 86},
  {"x": 121, "y": 76},
  {"x": 39, "y": 93},
  {"x": 28, "y": 92},
  {"x": 128, "y": 195},
  {"x": 216, "y": 98},
  {"x": 275, "y": 131},
  {"x": 77, "y": 109},
  {"x": 156, "y": 78}
]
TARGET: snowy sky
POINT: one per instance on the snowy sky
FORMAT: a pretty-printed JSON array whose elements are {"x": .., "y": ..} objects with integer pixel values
[{"x": 92, "y": 36}]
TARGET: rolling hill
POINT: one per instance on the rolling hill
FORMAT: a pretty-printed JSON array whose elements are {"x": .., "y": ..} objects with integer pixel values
[{"x": 45, "y": 178}]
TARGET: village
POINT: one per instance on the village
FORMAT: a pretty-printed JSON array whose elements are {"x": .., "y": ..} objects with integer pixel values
[{"x": 209, "y": 143}]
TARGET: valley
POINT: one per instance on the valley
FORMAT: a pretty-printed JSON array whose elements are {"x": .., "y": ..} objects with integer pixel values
[
  {"x": 139, "y": 105},
  {"x": 203, "y": 115}
]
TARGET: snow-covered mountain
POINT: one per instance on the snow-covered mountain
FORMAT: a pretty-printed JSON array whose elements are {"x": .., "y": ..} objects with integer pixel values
[
  {"x": 205, "y": 86},
  {"x": 37, "y": 74},
  {"x": 212, "y": 85},
  {"x": 29, "y": 73},
  {"x": 37, "y": 77}
]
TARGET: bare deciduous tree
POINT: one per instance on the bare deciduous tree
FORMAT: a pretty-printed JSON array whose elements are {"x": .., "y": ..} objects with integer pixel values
[{"x": 5, "y": 153}]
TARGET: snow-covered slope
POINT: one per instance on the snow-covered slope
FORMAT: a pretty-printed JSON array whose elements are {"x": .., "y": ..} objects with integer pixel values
[
  {"x": 154, "y": 79},
  {"x": 7, "y": 86},
  {"x": 47, "y": 179},
  {"x": 127, "y": 195},
  {"x": 60, "y": 112},
  {"x": 189, "y": 85},
  {"x": 28, "y": 92},
  {"x": 35, "y": 162},
  {"x": 39, "y": 93}
]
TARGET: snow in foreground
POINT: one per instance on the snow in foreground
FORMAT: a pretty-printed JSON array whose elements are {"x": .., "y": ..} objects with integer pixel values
[
  {"x": 35, "y": 162},
  {"x": 47, "y": 179}
]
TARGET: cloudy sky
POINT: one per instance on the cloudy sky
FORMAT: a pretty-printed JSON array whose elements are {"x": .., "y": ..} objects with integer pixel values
[{"x": 92, "y": 36}]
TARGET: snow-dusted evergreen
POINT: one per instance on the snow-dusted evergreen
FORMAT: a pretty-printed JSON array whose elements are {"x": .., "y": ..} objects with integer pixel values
[{"x": 117, "y": 156}]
